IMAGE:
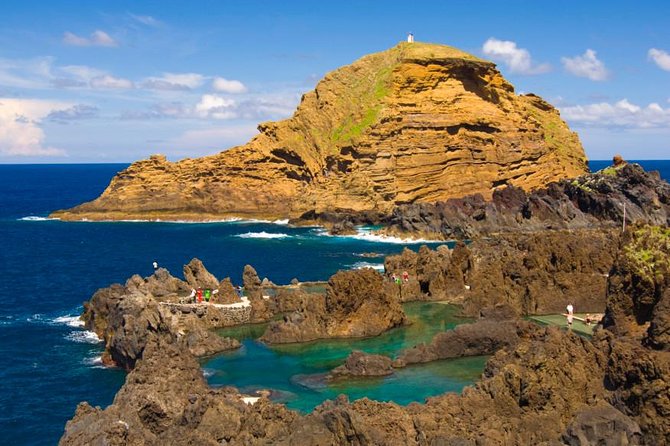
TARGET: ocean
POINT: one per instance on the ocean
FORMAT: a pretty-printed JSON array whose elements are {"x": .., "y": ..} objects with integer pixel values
[{"x": 48, "y": 363}]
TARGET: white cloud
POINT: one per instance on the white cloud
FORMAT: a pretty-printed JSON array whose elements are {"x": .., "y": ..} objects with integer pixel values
[
  {"x": 174, "y": 81},
  {"x": 660, "y": 57},
  {"x": 97, "y": 38},
  {"x": 228, "y": 86},
  {"x": 110, "y": 82},
  {"x": 217, "y": 107},
  {"x": 25, "y": 73},
  {"x": 145, "y": 19},
  {"x": 20, "y": 131},
  {"x": 74, "y": 113},
  {"x": 212, "y": 106},
  {"x": 518, "y": 60},
  {"x": 215, "y": 138},
  {"x": 586, "y": 65},
  {"x": 622, "y": 114}
]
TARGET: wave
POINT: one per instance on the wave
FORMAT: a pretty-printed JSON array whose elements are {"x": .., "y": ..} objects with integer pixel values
[
  {"x": 83, "y": 337},
  {"x": 375, "y": 266},
  {"x": 262, "y": 234},
  {"x": 94, "y": 362},
  {"x": 70, "y": 321},
  {"x": 366, "y": 234},
  {"x": 36, "y": 218}
]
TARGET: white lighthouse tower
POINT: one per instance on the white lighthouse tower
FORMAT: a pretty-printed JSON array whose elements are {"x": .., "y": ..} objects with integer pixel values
[{"x": 410, "y": 38}]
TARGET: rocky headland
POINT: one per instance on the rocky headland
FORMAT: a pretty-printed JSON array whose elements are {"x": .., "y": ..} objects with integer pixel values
[
  {"x": 416, "y": 123},
  {"x": 541, "y": 386}
]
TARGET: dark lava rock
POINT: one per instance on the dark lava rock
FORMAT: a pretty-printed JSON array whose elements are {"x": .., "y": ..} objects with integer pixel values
[
  {"x": 359, "y": 363},
  {"x": 602, "y": 425},
  {"x": 535, "y": 273},
  {"x": 197, "y": 276},
  {"x": 355, "y": 305},
  {"x": 589, "y": 201},
  {"x": 483, "y": 337}
]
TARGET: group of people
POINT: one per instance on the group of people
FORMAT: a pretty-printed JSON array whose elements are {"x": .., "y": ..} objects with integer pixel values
[
  {"x": 398, "y": 280},
  {"x": 197, "y": 296}
]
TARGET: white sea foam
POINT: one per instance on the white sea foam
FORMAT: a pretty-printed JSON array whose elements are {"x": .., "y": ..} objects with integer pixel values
[
  {"x": 375, "y": 266},
  {"x": 95, "y": 362},
  {"x": 367, "y": 234},
  {"x": 36, "y": 218},
  {"x": 37, "y": 317},
  {"x": 208, "y": 372},
  {"x": 262, "y": 234},
  {"x": 70, "y": 321},
  {"x": 83, "y": 337}
]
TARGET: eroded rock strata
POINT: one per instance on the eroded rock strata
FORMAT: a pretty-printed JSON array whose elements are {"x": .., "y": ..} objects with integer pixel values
[
  {"x": 547, "y": 387},
  {"x": 416, "y": 123}
]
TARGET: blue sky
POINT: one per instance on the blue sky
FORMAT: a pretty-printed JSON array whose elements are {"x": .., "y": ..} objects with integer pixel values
[{"x": 115, "y": 81}]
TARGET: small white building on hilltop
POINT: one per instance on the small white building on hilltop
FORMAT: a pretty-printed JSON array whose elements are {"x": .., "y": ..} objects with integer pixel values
[{"x": 410, "y": 38}]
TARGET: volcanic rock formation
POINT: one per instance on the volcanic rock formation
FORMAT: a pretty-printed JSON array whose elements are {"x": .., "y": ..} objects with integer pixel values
[
  {"x": 416, "y": 123},
  {"x": 128, "y": 317},
  {"x": 600, "y": 199},
  {"x": 534, "y": 273},
  {"x": 355, "y": 305},
  {"x": 545, "y": 387}
]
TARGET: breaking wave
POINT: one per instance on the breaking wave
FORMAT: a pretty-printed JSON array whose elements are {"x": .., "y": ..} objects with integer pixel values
[{"x": 262, "y": 234}]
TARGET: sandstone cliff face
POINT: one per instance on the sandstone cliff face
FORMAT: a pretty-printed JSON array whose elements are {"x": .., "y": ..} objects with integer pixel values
[{"x": 418, "y": 122}]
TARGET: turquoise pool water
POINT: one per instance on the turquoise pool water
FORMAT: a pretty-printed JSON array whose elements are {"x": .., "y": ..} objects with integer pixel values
[{"x": 295, "y": 372}]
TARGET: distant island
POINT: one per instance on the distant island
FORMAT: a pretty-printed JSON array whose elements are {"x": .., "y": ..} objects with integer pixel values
[{"x": 416, "y": 123}]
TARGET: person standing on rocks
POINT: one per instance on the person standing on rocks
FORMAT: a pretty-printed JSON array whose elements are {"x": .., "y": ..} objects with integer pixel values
[
  {"x": 155, "y": 265},
  {"x": 570, "y": 310}
]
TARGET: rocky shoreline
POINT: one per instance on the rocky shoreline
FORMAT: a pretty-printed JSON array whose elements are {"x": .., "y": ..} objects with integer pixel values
[{"x": 541, "y": 385}]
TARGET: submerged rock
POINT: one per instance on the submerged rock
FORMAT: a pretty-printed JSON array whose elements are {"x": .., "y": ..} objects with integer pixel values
[{"x": 359, "y": 363}]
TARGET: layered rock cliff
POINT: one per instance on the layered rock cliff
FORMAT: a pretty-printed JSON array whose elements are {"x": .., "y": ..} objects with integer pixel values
[{"x": 416, "y": 123}]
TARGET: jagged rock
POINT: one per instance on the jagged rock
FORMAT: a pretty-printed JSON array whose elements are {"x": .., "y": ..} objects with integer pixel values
[
  {"x": 260, "y": 307},
  {"x": 197, "y": 276},
  {"x": 129, "y": 317},
  {"x": 602, "y": 425},
  {"x": 359, "y": 363},
  {"x": 588, "y": 201},
  {"x": 483, "y": 337},
  {"x": 659, "y": 327},
  {"x": 206, "y": 343},
  {"x": 549, "y": 387},
  {"x": 418, "y": 122},
  {"x": 638, "y": 280},
  {"x": 534, "y": 273},
  {"x": 355, "y": 305},
  {"x": 226, "y": 294}
]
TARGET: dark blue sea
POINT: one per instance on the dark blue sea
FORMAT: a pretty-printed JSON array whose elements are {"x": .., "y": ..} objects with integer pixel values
[{"x": 48, "y": 268}]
